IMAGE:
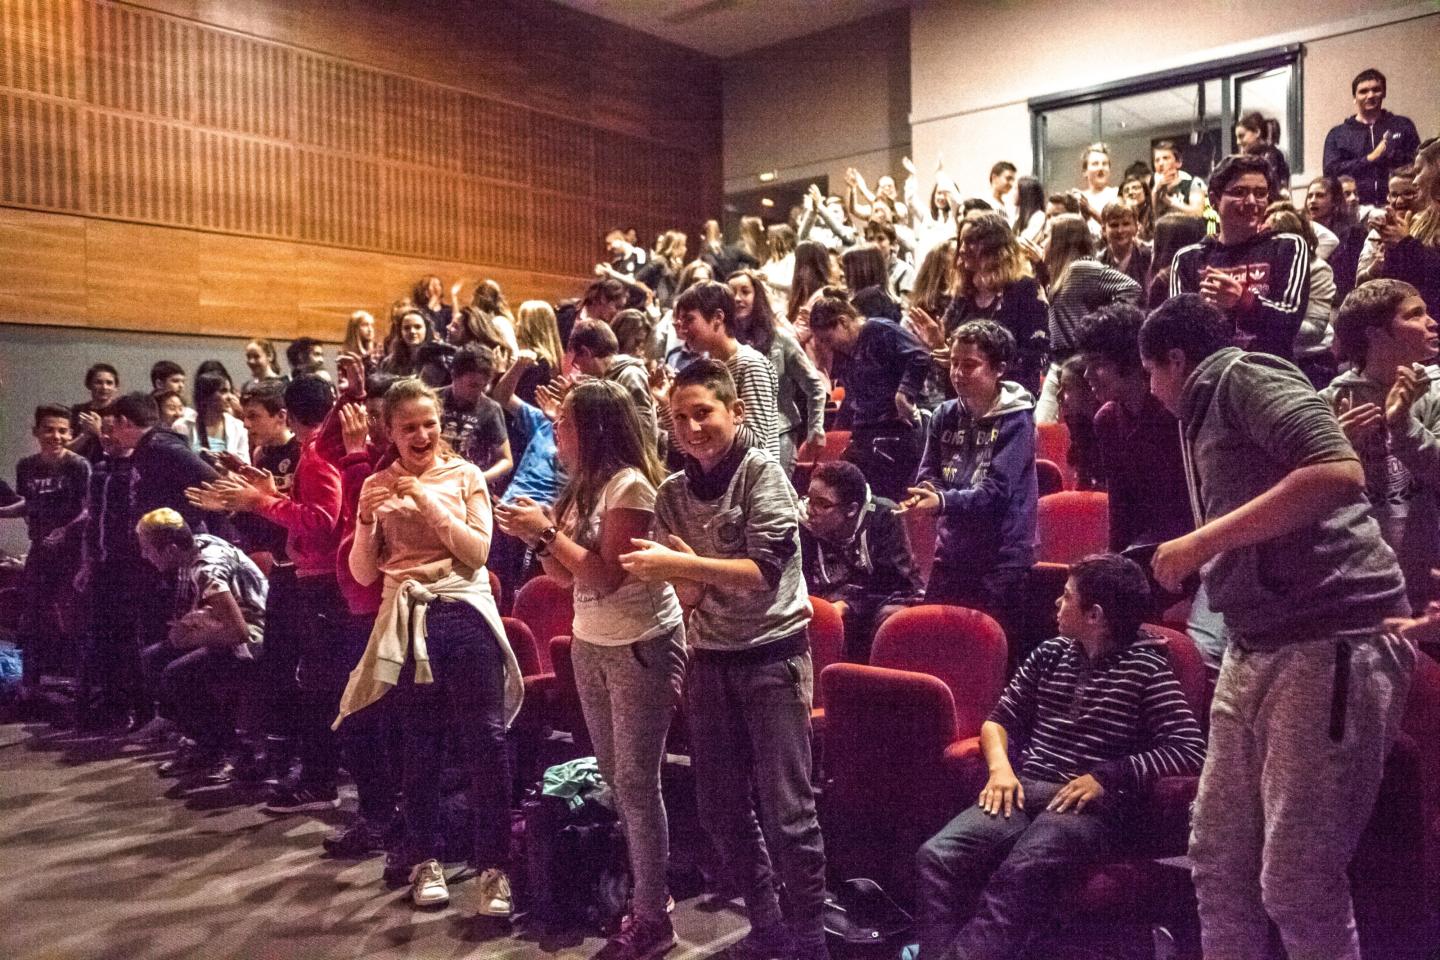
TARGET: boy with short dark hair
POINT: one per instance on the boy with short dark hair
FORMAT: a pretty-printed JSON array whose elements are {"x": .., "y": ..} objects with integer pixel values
[
  {"x": 705, "y": 320},
  {"x": 472, "y": 423},
  {"x": 596, "y": 353},
  {"x": 978, "y": 474},
  {"x": 883, "y": 369},
  {"x": 52, "y": 485},
  {"x": 103, "y": 382},
  {"x": 726, "y": 536},
  {"x": 1294, "y": 561},
  {"x": 1097, "y": 716},
  {"x": 277, "y": 452},
  {"x": 306, "y": 355},
  {"x": 1390, "y": 412}
]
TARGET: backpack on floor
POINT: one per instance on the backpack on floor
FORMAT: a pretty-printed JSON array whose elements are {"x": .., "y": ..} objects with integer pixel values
[{"x": 577, "y": 871}]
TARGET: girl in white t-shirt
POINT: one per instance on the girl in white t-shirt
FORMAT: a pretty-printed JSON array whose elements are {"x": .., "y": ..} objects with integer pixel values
[{"x": 629, "y": 637}]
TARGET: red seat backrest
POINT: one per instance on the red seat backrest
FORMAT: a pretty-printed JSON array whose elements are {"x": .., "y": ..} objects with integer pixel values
[
  {"x": 522, "y": 642},
  {"x": 885, "y": 733},
  {"x": 1189, "y": 669},
  {"x": 1072, "y": 525},
  {"x": 1052, "y": 442},
  {"x": 827, "y": 634},
  {"x": 963, "y": 648},
  {"x": 547, "y": 609}
]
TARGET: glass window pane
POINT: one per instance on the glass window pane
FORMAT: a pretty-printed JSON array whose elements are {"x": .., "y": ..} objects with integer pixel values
[
  {"x": 1268, "y": 93},
  {"x": 1067, "y": 132}
]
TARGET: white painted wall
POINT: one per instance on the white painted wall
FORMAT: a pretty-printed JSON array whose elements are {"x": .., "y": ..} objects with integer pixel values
[{"x": 974, "y": 65}]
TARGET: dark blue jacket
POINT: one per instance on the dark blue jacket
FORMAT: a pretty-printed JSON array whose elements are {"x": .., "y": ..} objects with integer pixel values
[
  {"x": 886, "y": 360},
  {"x": 1348, "y": 144},
  {"x": 984, "y": 468}
]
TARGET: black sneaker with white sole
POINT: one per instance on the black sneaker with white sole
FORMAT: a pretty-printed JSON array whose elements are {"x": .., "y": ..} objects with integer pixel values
[{"x": 302, "y": 798}]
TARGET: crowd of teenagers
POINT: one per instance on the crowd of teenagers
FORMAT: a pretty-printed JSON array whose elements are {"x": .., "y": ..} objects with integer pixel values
[{"x": 1244, "y": 376}]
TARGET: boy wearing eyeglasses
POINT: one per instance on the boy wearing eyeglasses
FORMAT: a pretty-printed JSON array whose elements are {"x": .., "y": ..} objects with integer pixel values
[{"x": 1259, "y": 280}]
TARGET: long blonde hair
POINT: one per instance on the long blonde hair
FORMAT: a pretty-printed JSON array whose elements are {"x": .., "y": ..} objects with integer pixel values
[
  {"x": 1426, "y": 225},
  {"x": 536, "y": 329},
  {"x": 352, "y": 335},
  {"x": 611, "y": 438}
]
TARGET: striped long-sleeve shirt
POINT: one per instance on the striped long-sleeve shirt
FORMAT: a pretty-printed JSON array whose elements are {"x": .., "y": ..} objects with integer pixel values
[
  {"x": 1122, "y": 719},
  {"x": 759, "y": 390},
  {"x": 1087, "y": 286},
  {"x": 1274, "y": 276}
]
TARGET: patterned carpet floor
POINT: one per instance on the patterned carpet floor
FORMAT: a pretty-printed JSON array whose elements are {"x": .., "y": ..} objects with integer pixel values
[{"x": 100, "y": 859}]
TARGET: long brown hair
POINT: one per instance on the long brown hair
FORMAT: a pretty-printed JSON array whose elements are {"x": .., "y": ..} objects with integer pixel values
[
  {"x": 758, "y": 329},
  {"x": 1069, "y": 242},
  {"x": 936, "y": 278},
  {"x": 1002, "y": 262},
  {"x": 610, "y": 438},
  {"x": 812, "y": 271}
]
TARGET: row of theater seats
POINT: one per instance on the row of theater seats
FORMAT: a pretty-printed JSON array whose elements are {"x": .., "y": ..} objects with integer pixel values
[{"x": 898, "y": 755}]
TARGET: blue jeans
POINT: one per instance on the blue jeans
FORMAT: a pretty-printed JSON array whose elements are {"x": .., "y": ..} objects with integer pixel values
[
  {"x": 466, "y": 700},
  {"x": 986, "y": 884}
]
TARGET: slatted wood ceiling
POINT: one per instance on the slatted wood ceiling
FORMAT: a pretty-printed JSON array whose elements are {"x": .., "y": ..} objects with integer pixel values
[{"x": 111, "y": 111}]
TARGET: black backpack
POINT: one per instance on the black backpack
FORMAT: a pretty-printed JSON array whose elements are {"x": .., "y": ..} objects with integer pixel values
[{"x": 577, "y": 869}]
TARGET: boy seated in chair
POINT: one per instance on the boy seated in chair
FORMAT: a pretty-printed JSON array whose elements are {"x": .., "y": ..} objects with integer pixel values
[{"x": 1096, "y": 715}]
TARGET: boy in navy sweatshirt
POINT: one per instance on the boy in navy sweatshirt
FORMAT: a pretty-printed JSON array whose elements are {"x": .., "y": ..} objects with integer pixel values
[{"x": 978, "y": 474}]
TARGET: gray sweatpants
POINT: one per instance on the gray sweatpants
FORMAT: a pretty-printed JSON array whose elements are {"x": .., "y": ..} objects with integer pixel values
[
  {"x": 1290, "y": 778},
  {"x": 629, "y": 694}
]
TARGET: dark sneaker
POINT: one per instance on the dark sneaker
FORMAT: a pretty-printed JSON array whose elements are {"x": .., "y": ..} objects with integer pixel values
[
  {"x": 302, "y": 798},
  {"x": 219, "y": 773},
  {"x": 357, "y": 841},
  {"x": 397, "y": 870},
  {"x": 766, "y": 943},
  {"x": 186, "y": 761},
  {"x": 639, "y": 940}
]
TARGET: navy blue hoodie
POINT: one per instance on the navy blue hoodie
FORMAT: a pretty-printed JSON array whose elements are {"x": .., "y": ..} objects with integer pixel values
[
  {"x": 984, "y": 468},
  {"x": 1348, "y": 144},
  {"x": 886, "y": 360}
]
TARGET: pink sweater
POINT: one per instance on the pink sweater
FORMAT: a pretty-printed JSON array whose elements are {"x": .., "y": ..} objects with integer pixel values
[{"x": 449, "y": 533}]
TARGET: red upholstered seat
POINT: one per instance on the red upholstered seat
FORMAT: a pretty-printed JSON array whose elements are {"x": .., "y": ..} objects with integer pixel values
[
  {"x": 836, "y": 443},
  {"x": 1073, "y": 525},
  {"x": 964, "y": 648},
  {"x": 887, "y": 787},
  {"x": 546, "y": 608},
  {"x": 1052, "y": 442}
]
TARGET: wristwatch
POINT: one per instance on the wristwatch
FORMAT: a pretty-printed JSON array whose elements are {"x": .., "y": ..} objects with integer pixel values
[{"x": 547, "y": 537}]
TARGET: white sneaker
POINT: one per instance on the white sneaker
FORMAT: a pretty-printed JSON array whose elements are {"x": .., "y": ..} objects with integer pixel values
[
  {"x": 492, "y": 894},
  {"x": 427, "y": 885}
]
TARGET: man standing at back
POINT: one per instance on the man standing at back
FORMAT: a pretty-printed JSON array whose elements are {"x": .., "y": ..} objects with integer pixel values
[
  {"x": 1312, "y": 686},
  {"x": 1372, "y": 143}
]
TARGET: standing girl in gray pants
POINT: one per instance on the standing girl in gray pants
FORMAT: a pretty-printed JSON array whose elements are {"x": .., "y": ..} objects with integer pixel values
[{"x": 629, "y": 649}]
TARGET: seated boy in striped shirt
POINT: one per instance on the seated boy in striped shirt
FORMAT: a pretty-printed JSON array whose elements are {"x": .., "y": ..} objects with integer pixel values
[{"x": 1097, "y": 715}]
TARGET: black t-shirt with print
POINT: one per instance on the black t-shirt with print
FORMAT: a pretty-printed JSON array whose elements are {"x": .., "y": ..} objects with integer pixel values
[
  {"x": 54, "y": 491},
  {"x": 475, "y": 431}
]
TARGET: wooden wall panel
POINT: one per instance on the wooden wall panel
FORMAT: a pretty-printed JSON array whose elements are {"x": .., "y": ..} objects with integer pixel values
[
  {"x": 37, "y": 47},
  {"x": 140, "y": 62},
  {"x": 44, "y": 257},
  {"x": 40, "y": 159},
  {"x": 353, "y": 137}
]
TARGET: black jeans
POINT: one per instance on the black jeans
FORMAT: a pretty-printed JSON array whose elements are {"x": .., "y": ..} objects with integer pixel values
[
  {"x": 281, "y": 656},
  {"x": 110, "y": 672},
  {"x": 750, "y": 740},
  {"x": 888, "y": 456},
  {"x": 316, "y": 618},
  {"x": 986, "y": 884},
  {"x": 999, "y": 592},
  {"x": 370, "y": 740},
  {"x": 467, "y": 697},
  {"x": 45, "y": 582},
  {"x": 195, "y": 689}
]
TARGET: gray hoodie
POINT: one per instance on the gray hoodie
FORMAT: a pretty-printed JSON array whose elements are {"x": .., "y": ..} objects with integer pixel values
[
  {"x": 1402, "y": 479},
  {"x": 1247, "y": 420}
]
